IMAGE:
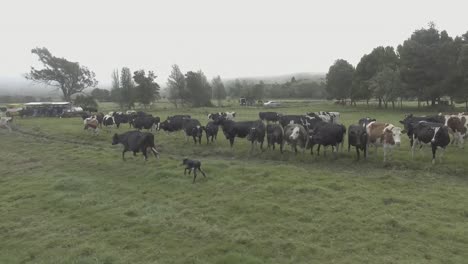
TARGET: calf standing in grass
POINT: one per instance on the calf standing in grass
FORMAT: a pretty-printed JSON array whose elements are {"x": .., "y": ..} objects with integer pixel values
[
  {"x": 211, "y": 130},
  {"x": 275, "y": 135},
  {"x": 192, "y": 165},
  {"x": 357, "y": 137}
]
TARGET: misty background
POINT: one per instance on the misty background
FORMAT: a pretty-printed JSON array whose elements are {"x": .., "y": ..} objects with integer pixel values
[{"x": 257, "y": 40}]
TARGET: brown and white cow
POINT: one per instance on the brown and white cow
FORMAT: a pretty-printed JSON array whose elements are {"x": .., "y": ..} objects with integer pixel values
[
  {"x": 91, "y": 124},
  {"x": 384, "y": 134},
  {"x": 5, "y": 122},
  {"x": 457, "y": 128}
]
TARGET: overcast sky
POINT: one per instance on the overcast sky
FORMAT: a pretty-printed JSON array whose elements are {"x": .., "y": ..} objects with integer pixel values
[{"x": 230, "y": 38}]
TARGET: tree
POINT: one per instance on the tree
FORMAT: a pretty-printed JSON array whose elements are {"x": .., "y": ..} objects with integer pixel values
[
  {"x": 339, "y": 80},
  {"x": 219, "y": 92},
  {"x": 116, "y": 91},
  {"x": 103, "y": 95},
  {"x": 368, "y": 67},
  {"x": 258, "y": 91},
  {"x": 386, "y": 86},
  {"x": 86, "y": 102},
  {"x": 462, "y": 64},
  {"x": 147, "y": 90},
  {"x": 198, "y": 88},
  {"x": 176, "y": 86},
  {"x": 69, "y": 77},
  {"x": 127, "y": 90},
  {"x": 427, "y": 58}
]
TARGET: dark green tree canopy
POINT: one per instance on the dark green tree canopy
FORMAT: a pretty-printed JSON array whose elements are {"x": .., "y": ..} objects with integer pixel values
[
  {"x": 69, "y": 77},
  {"x": 198, "y": 88},
  {"x": 339, "y": 80},
  {"x": 147, "y": 90},
  {"x": 86, "y": 102}
]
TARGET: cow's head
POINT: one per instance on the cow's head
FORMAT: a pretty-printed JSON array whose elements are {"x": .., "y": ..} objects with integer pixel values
[
  {"x": 392, "y": 134},
  {"x": 197, "y": 131},
  {"x": 295, "y": 133},
  {"x": 115, "y": 139},
  {"x": 185, "y": 161},
  {"x": 252, "y": 133}
]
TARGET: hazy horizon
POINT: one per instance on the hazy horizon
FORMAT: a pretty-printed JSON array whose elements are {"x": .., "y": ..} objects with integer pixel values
[{"x": 226, "y": 38}]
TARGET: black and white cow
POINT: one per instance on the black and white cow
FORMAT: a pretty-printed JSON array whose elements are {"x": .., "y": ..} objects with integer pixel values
[
  {"x": 435, "y": 134},
  {"x": 365, "y": 121},
  {"x": 5, "y": 122},
  {"x": 326, "y": 134},
  {"x": 108, "y": 121},
  {"x": 329, "y": 117},
  {"x": 291, "y": 119},
  {"x": 357, "y": 137},
  {"x": 410, "y": 121},
  {"x": 226, "y": 115},
  {"x": 275, "y": 135},
  {"x": 194, "y": 129},
  {"x": 295, "y": 135},
  {"x": 269, "y": 116},
  {"x": 136, "y": 141},
  {"x": 211, "y": 130}
]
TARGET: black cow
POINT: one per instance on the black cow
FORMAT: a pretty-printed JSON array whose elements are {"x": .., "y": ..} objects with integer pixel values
[
  {"x": 211, "y": 130},
  {"x": 257, "y": 134},
  {"x": 146, "y": 122},
  {"x": 291, "y": 119},
  {"x": 411, "y": 121},
  {"x": 192, "y": 165},
  {"x": 136, "y": 141},
  {"x": 269, "y": 116},
  {"x": 326, "y": 134},
  {"x": 365, "y": 121},
  {"x": 193, "y": 128},
  {"x": 120, "y": 118},
  {"x": 173, "y": 123},
  {"x": 432, "y": 133},
  {"x": 226, "y": 115},
  {"x": 357, "y": 137},
  {"x": 232, "y": 129},
  {"x": 275, "y": 135}
]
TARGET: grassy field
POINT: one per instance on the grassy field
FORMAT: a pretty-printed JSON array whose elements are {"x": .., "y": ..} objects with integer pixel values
[{"x": 67, "y": 197}]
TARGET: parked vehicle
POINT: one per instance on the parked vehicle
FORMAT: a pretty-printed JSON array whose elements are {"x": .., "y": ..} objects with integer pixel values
[{"x": 272, "y": 104}]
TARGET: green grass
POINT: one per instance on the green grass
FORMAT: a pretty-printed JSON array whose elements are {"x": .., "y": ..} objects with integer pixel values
[{"x": 66, "y": 197}]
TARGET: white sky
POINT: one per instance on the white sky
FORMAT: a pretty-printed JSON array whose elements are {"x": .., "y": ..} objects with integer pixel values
[{"x": 230, "y": 38}]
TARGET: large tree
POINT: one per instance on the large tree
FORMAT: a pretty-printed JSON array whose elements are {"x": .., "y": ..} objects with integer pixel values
[
  {"x": 69, "y": 77},
  {"x": 428, "y": 59},
  {"x": 219, "y": 92},
  {"x": 198, "y": 88},
  {"x": 368, "y": 67},
  {"x": 127, "y": 88},
  {"x": 103, "y": 95},
  {"x": 339, "y": 80},
  {"x": 176, "y": 86},
  {"x": 147, "y": 90}
]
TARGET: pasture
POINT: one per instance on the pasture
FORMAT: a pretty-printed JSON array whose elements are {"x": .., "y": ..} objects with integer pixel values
[{"x": 67, "y": 197}]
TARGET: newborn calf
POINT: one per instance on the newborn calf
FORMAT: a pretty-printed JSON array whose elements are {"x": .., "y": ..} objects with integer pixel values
[{"x": 192, "y": 165}]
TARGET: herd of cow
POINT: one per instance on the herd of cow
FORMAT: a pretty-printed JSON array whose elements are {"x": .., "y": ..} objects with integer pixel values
[{"x": 298, "y": 131}]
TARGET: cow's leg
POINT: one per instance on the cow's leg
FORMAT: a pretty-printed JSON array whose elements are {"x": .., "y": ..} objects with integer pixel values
[
  {"x": 413, "y": 147},
  {"x": 199, "y": 168},
  {"x": 194, "y": 175},
  {"x": 281, "y": 147},
  {"x": 231, "y": 141},
  {"x": 145, "y": 153},
  {"x": 207, "y": 139},
  {"x": 365, "y": 152},
  {"x": 385, "y": 152},
  {"x": 134, "y": 153},
  {"x": 357, "y": 152},
  {"x": 441, "y": 154},
  {"x": 199, "y": 140},
  {"x": 434, "y": 149},
  {"x": 335, "y": 151},
  {"x": 349, "y": 146},
  {"x": 123, "y": 154}
]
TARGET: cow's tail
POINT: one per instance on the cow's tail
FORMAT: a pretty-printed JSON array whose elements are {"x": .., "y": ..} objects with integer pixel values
[{"x": 155, "y": 152}]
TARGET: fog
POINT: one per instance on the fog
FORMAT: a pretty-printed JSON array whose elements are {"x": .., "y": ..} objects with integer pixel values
[{"x": 227, "y": 38}]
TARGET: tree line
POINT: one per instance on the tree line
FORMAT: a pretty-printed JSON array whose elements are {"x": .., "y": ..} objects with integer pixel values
[{"x": 428, "y": 67}]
